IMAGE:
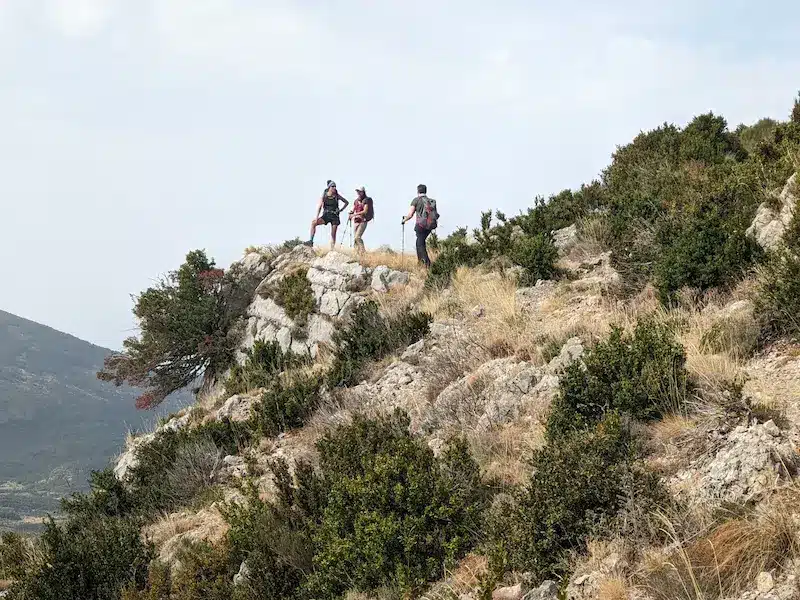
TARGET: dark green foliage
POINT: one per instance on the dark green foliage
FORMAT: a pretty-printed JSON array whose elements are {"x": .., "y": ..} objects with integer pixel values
[
  {"x": 537, "y": 255},
  {"x": 371, "y": 337},
  {"x": 91, "y": 558},
  {"x": 286, "y": 404},
  {"x": 206, "y": 572},
  {"x": 177, "y": 466},
  {"x": 265, "y": 360},
  {"x": 289, "y": 244},
  {"x": 394, "y": 513},
  {"x": 795, "y": 116},
  {"x": 380, "y": 510},
  {"x": 579, "y": 484},
  {"x": 455, "y": 252},
  {"x": 185, "y": 320},
  {"x": 294, "y": 294},
  {"x": 751, "y": 136},
  {"x": 15, "y": 558},
  {"x": 777, "y": 302},
  {"x": 108, "y": 497},
  {"x": 640, "y": 375},
  {"x": 701, "y": 251}
]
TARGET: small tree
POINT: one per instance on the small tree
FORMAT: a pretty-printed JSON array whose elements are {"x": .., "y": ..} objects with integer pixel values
[
  {"x": 185, "y": 320},
  {"x": 796, "y": 110}
]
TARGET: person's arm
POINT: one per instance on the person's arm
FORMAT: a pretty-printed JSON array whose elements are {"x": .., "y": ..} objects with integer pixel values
[
  {"x": 346, "y": 203},
  {"x": 363, "y": 212},
  {"x": 319, "y": 207},
  {"x": 411, "y": 212}
]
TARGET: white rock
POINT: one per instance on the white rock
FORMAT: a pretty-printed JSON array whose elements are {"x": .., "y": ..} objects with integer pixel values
[
  {"x": 565, "y": 238},
  {"x": 764, "y": 582},
  {"x": 237, "y": 408},
  {"x": 769, "y": 225},
  {"x": 385, "y": 279},
  {"x": 547, "y": 591},
  {"x": 242, "y": 575}
]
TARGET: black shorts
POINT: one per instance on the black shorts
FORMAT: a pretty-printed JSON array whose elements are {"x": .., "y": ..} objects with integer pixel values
[{"x": 330, "y": 218}]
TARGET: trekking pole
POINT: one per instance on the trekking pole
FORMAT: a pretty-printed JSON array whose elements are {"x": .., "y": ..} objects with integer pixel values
[{"x": 403, "y": 247}]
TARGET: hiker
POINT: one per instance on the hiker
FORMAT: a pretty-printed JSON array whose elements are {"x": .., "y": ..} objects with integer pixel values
[
  {"x": 362, "y": 213},
  {"x": 329, "y": 206},
  {"x": 427, "y": 220}
]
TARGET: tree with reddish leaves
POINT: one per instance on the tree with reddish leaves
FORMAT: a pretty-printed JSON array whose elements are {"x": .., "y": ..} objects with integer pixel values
[{"x": 185, "y": 323}]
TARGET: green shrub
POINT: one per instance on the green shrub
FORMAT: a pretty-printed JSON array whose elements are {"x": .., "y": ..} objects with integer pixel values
[
  {"x": 206, "y": 572},
  {"x": 371, "y": 337},
  {"x": 579, "y": 485},
  {"x": 795, "y": 116},
  {"x": 640, "y": 375},
  {"x": 394, "y": 513},
  {"x": 185, "y": 321},
  {"x": 265, "y": 360},
  {"x": 15, "y": 555},
  {"x": 294, "y": 294},
  {"x": 380, "y": 510},
  {"x": 286, "y": 404},
  {"x": 87, "y": 558},
  {"x": 455, "y": 252},
  {"x": 777, "y": 301},
  {"x": 178, "y": 466},
  {"x": 701, "y": 253},
  {"x": 537, "y": 255}
]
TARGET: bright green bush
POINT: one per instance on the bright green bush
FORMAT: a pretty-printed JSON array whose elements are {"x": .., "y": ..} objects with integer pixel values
[
  {"x": 265, "y": 360},
  {"x": 286, "y": 403},
  {"x": 579, "y": 485},
  {"x": 640, "y": 375},
  {"x": 537, "y": 255},
  {"x": 371, "y": 337},
  {"x": 294, "y": 294}
]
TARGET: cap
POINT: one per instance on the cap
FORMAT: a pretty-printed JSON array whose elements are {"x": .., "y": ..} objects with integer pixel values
[{"x": 360, "y": 189}]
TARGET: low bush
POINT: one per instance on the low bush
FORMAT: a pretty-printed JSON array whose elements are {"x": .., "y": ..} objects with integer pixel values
[
  {"x": 537, "y": 255},
  {"x": 380, "y": 510},
  {"x": 640, "y": 375},
  {"x": 264, "y": 361},
  {"x": 294, "y": 294},
  {"x": 579, "y": 485},
  {"x": 88, "y": 558},
  {"x": 15, "y": 555},
  {"x": 206, "y": 572},
  {"x": 177, "y": 466},
  {"x": 286, "y": 403},
  {"x": 371, "y": 337},
  {"x": 777, "y": 301}
]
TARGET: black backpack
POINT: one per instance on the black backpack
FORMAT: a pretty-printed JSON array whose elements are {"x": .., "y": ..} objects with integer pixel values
[{"x": 370, "y": 209}]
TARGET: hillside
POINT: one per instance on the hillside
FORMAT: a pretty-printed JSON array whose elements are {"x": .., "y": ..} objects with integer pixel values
[
  {"x": 57, "y": 421},
  {"x": 595, "y": 399}
]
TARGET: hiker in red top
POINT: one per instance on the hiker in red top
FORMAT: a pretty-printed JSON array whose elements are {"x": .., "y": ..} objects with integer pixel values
[
  {"x": 362, "y": 213},
  {"x": 427, "y": 220}
]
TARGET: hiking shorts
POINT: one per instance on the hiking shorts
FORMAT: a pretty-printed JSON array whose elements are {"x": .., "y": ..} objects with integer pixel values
[{"x": 330, "y": 218}]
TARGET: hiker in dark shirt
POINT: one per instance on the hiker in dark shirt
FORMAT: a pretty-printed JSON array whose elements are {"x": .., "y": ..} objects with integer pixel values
[
  {"x": 362, "y": 213},
  {"x": 427, "y": 220},
  {"x": 328, "y": 205}
]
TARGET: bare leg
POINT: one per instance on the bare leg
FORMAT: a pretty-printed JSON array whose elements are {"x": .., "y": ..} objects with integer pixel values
[{"x": 334, "y": 227}]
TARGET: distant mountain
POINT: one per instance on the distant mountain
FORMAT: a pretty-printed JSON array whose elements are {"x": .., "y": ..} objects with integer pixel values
[{"x": 57, "y": 420}]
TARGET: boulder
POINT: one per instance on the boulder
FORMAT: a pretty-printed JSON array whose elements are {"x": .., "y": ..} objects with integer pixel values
[
  {"x": 242, "y": 575},
  {"x": 237, "y": 408},
  {"x": 385, "y": 279},
  {"x": 772, "y": 218},
  {"x": 565, "y": 238}
]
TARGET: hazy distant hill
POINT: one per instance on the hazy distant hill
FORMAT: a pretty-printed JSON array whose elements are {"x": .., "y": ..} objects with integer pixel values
[{"x": 57, "y": 420}]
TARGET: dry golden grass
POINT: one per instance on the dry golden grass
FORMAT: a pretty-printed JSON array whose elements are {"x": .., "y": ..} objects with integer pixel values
[
  {"x": 502, "y": 452},
  {"x": 613, "y": 588},
  {"x": 5, "y": 584},
  {"x": 464, "y": 579},
  {"x": 726, "y": 559},
  {"x": 169, "y": 533}
]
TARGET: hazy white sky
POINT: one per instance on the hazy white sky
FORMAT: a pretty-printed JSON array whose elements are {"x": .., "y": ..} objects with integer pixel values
[{"x": 132, "y": 131}]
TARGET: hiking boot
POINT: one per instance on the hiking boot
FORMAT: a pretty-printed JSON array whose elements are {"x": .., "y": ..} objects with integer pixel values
[{"x": 308, "y": 243}]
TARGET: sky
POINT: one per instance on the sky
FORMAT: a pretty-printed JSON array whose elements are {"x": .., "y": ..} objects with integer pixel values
[{"x": 133, "y": 131}]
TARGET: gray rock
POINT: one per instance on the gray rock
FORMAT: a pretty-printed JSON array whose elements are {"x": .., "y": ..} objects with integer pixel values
[
  {"x": 764, "y": 582},
  {"x": 570, "y": 352},
  {"x": 565, "y": 238},
  {"x": 769, "y": 224},
  {"x": 547, "y": 591},
  {"x": 385, "y": 279},
  {"x": 237, "y": 408}
]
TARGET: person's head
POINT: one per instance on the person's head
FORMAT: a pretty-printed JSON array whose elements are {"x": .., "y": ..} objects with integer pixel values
[
  {"x": 331, "y": 187},
  {"x": 422, "y": 189},
  {"x": 362, "y": 193}
]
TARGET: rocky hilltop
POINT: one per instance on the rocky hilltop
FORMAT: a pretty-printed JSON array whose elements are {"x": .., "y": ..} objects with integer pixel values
[{"x": 595, "y": 399}]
